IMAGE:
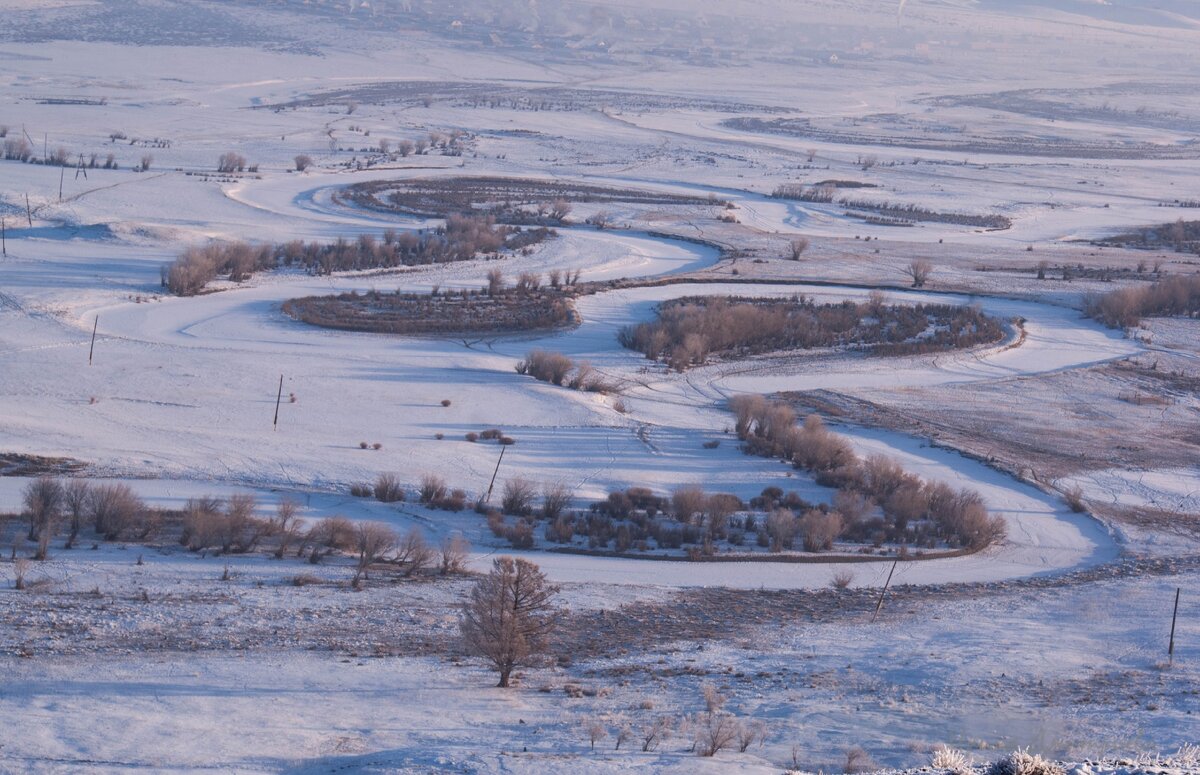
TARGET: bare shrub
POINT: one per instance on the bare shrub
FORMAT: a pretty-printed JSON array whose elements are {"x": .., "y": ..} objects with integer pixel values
[
  {"x": 495, "y": 282},
  {"x": 842, "y": 578},
  {"x": 820, "y": 530},
  {"x": 555, "y": 500},
  {"x": 362, "y": 490},
  {"x": 413, "y": 553},
  {"x": 453, "y": 555},
  {"x": 387, "y": 489},
  {"x": 546, "y": 366},
  {"x": 20, "y": 568},
  {"x": 688, "y": 502},
  {"x": 797, "y": 247},
  {"x": 334, "y": 532},
  {"x": 519, "y": 493},
  {"x": 951, "y": 760},
  {"x": 240, "y": 531},
  {"x": 715, "y": 732},
  {"x": 372, "y": 540},
  {"x": 509, "y": 616},
  {"x": 596, "y": 731},
  {"x": 1021, "y": 762},
  {"x": 857, "y": 761},
  {"x": 114, "y": 509},
  {"x": 1074, "y": 498},
  {"x": 285, "y": 526},
  {"x": 433, "y": 489},
  {"x": 43, "y": 500},
  {"x": 713, "y": 699},
  {"x": 201, "y": 518},
  {"x": 919, "y": 270},
  {"x": 1125, "y": 307},
  {"x": 76, "y": 493},
  {"x": 655, "y": 731},
  {"x": 749, "y": 733},
  {"x": 303, "y": 162},
  {"x": 781, "y": 527},
  {"x": 231, "y": 162}
]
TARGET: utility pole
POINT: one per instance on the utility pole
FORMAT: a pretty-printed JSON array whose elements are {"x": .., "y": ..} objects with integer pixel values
[
  {"x": 92, "y": 349},
  {"x": 492, "y": 484},
  {"x": 883, "y": 591},
  {"x": 1174, "y": 615},
  {"x": 278, "y": 399}
]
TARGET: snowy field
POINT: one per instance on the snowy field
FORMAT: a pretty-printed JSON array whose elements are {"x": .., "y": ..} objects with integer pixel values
[{"x": 1074, "y": 120}]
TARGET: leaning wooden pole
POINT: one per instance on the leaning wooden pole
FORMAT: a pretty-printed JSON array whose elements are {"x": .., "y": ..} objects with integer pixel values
[
  {"x": 278, "y": 399},
  {"x": 1174, "y": 616},
  {"x": 4, "y": 236},
  {"x": 92, "y": 349},
  {"x": 882, "y": 592},
  {"x": 492, "y": 484},
  {"x": 28, "y": 212}
]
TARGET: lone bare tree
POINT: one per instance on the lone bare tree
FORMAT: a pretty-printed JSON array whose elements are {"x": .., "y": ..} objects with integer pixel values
[
  {"x": 509, "y": 616},
  {"x": 43, "y": 504},
  {"x": 303, "y": 162},
  {"x": 76, "y": 496},
  {"x": 372, "y": 540},
  {"x": 919, "y": 270},
  {"x": 798, "y": 246}
]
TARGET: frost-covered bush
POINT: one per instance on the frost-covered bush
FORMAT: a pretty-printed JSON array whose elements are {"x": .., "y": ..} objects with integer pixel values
[
  {"x": 1021, "y": 762},
  {"x": 949, "y": 759}
]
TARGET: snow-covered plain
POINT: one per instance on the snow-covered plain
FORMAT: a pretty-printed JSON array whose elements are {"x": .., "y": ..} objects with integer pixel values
[{"x": 1040, "y": 647}]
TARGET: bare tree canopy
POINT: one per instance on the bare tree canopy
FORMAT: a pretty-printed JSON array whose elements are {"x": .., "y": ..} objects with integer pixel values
[
  {"x": 509, "y": 616},
  {"x": 919, "y": 270}
]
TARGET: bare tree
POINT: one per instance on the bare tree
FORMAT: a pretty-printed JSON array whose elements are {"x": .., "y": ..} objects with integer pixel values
[
  {"x": 657, "y": 730},
  {"x": 509, "y": 616},
  {"x": 555, "y": 500},
  {"x": 798, "y": 246},
  {"x": 231, "y": 162},
  {"x": 495, "y": 280},
  {"x": 75, "y": 502},
  {"x": 919, "y": 270},
  {"x": 147, "y": 160},
  {"x": 388, "y": 489},
  {"x": 519, "y": 493},
  {"x": 372, "y": 540},
  {"x": 303, "y": 162},
  {"x": 43, "y": 500},
  {"x": 405, "y": 147},
  {"x": 454, "y": 555},
  {"x": 596, "y": 730},
  {"x": 413, "y": 553},
  {"x": 20, "y": 568},
  {"x": 749, "y": 733},
  {"x": 715, "y": 732},
  {"x": 285, "y": 525}
]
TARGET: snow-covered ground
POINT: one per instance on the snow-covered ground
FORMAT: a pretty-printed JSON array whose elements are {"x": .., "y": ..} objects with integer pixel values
[{"x": 1046, "y": 640}]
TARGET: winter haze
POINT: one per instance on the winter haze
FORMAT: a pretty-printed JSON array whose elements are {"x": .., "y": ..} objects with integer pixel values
[{"x": 473, "y": 386}]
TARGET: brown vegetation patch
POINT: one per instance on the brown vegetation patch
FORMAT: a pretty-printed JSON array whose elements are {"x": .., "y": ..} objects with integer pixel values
[
  {"x": 462, "y": 238},
  {"x": 689, "y": 330},
  {"x": 510, "y": 200},
  {"x": 1172, "y": 296},
  {"x": 445, "y": 313}
]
